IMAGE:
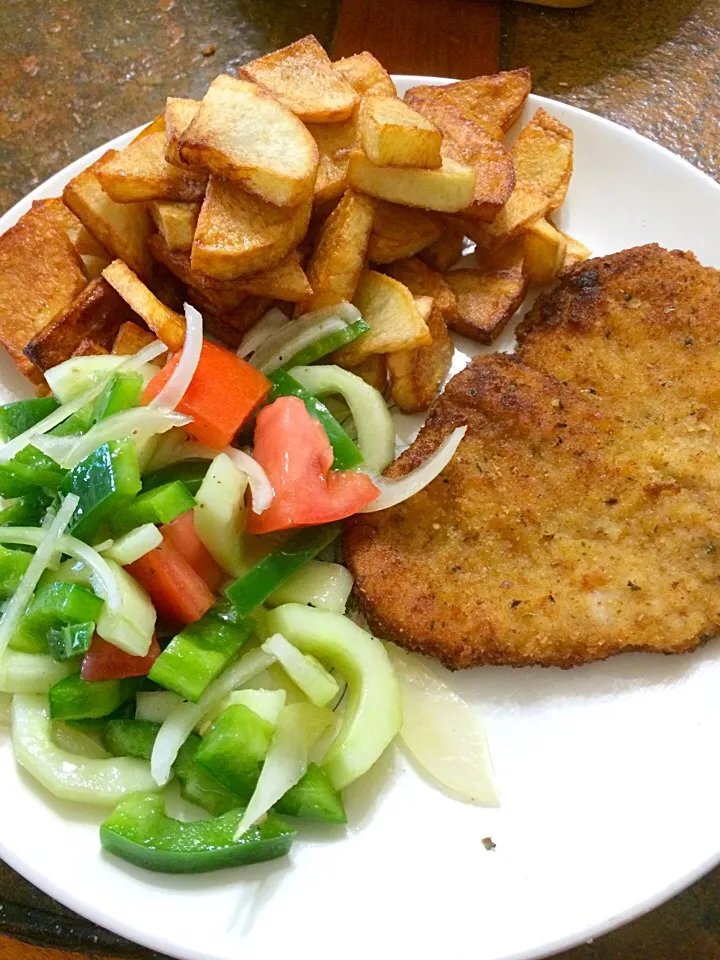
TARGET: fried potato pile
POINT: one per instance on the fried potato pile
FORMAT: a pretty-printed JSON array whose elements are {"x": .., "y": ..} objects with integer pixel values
[{"x": 301, "y": 183}]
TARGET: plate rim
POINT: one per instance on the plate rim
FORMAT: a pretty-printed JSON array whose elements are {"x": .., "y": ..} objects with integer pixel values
[{"x": 116, "y": 924}]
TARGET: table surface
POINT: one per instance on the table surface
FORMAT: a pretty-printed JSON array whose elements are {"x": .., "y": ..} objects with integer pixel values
[{"x": 74, "y": 73}]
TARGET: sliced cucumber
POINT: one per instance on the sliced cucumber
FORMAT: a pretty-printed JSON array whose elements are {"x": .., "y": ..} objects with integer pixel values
[
  {"x": 220, "y": 513},
  {"x": 132, "y": 628}
]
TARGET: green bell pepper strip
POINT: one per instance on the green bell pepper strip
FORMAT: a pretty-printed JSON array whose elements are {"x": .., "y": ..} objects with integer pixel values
[
  {"x": 313, "y": 798},
  {"x": 105, "y": 481},
  {"x": 121, "y": 392},
  {"x": 27, "y": 511},
  {"x": 160, "y": 505},
  {"x": 199, "y": 654},
  {"x": 17, "y": 417},
  {"x": 191, "y": 472},
  {"x": 234, "y": 748},
  {"x": 29, "y": 468},
  {"x": 13, "y": 564},
  {"x": 139, "y": 831},
  {"x": 76, "y": 423},
  {"x": 71, "y": 640},
  {"x": 252, "y": 589},
  {"x": 53, "y": 607},
  {"x": 328, "y": 344},
  {"x": 130, "y": 738},
  {"x": 76, "y": 699},
  {"x": 347, "y": 454}
]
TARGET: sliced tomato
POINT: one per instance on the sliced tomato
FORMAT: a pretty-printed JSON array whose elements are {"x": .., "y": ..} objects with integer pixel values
[
  {"x": 295, "y": 453},
  {"x": 180, "y": 534},
  {"x": 223, "y": 393},
  {"x": 103, "y": 661},
  {"x": 179, "y": 594}
]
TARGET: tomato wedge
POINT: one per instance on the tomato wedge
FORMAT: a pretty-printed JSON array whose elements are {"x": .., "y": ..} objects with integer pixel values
[
  {"x": 222, "y": 394},
  {"x": 180, "y": 534},
  {"x": 103, "y": 661},
  {"x": 179, "y": 594},
  {"x": 295, "y": 453}
]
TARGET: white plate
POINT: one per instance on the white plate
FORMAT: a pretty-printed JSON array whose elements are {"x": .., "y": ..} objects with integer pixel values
[{"x": 608, "y": 774}]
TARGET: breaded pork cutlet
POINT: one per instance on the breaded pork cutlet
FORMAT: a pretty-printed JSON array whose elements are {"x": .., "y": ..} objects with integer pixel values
[{"x": 579, "y": 517}]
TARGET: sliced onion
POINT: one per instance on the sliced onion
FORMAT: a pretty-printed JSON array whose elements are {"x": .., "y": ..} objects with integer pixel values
[
  {"x": 442, "y": 732},
  {"x": 282, "y": 345},
  {"x": 181, "y": 377},
  {"x": 185, "y": 717},
  {"x": 102, "y": 576},
  {"x": 260, "y": 487},
  {"x": 5, "y": 701},
  {"x": 37, "y": 566},
  {"x": 319, "y": 686},
  {"x": 268, "y": 324},
  {"x": 156, "y": 705},
  {"x": 393, "y": 492},
  {"x": 299, "y": 727},
  {"x": 345, "y": 310}
]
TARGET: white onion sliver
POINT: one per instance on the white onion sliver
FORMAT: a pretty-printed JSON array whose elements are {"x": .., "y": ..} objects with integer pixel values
[
  {"x": 181, "y": 377},
  {"x": 282, "y": 345},
  {"x": 268, "y": 324},
  {"x": 345, "y": 310},
  {"x": 156, "y": 705},
  {"x": 43, "y": 555},
  {"x": 393, "y": 492},
  {"x": 183, "y": 719},
  {"x": 260, "y": 487},
  {"x": 103, "y": 580}
]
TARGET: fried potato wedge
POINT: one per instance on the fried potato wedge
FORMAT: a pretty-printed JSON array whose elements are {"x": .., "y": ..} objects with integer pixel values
[
  {"x": 175, "y": 221},
  {"x": 57, "y": 212},
  {"x": 285, "y": 281},
  {"x": 366, "y": 75},
  {"x": 155, "y": 126},
  {"x": 446, "y": 251},
  {"x": 141, "y": 172},
  {"x": 395, "y": 319},
  {"x": 373, "y": 370},
  {"x": 243, "y": 134},
  {"x": 448, "y": 189},
  {"x": 302, "y": 78},
  {"x": 334, "y": 141},
  {"x": 340, "y": 252},
  {"x": 96, "y": 314},
  {"x": 90, "y": 348},
  {"x": 544, "y": 249},
  {"x": 238, "y": 233},
  {"x": 392, "y": 134},
  {"x": 131, "y": 339},
  {"x": 575, "y": 252},
  {"x": 417, "y": 375},
  {"x": 168, "y": 325},
  {"x": 230, "y": 328},
  {"x": 422, "y": 281},
  {"x": 485, "y": 301},
  {"x": 40, "y": 276},
  {"x": 179, "y": 112},
  {"x": 495, "y": 101},
  {"x": 399, "y": 232},
  {"x": 123, "y": 229}
]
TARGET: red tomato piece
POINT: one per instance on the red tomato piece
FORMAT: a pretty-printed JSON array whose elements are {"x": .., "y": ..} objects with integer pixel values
[
  {"x": 295, "y": 453},
  {"x": 103, "y": 661},
  {"x": 223, "y": 393},
  {"x": 180, "y": 534},
  {"x": 179, "y": 594}
]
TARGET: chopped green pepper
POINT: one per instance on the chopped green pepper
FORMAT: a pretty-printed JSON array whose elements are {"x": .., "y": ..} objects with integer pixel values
[
  {"x": 105, "y": 481},
  {"x": 79, "y": 422},
  {"x": 347, "y": 455},
  {"x": 195, "y": 657},
  {"x": 29, "y": 468},
  {"x": 13, "y": 564},
  {"x": 160, "y": 505},
  {"x": 327, "y": 344},
  {"x": 17, "y": 417},
  {"x": 139, "y": 831},
  {"x": 51, "y": 608},
  {"x": 76, "y": 699},
  {"x": 130, "y": 738},
  {"x": 122, "y": 391},
  {"x": 70, "y": 640},
  {"x": 191, "y": 472},
  {"x": 234, "y": 749},
  {"x": 252, "y": 589},
  {"x": 27, "y": 511},
  {"x": 313, "y": 798}
]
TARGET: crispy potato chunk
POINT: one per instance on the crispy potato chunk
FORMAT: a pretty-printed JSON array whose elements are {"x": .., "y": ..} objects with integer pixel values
[
  {"x": 229, "y": 328},
  {"x": 179, "y": 113},
  {"x": 302, "y": 78},
  {"x": 575, "y": 252},
  {"x": 339, "y": 255},
  {"x": 122, "y": 228},
  {"x": 396, "y": 322},
  {"x": 243, "y": 134},
  {"x": 544, "y": 249},
  {"x": 96, "y": 314},
  {"x": 238, "y": 233},
  {"x": 373, "y": 370},
  {"x": 495, "y": 101},
  {"x": 400, "y": 232},
  {"x": 335, "y": 141},
  {"x": 57, "y": 212},
  {"x": 131, "y": 339},
  {"x": 285, "y": 281},
  {"x": 447, "y": 189},
  {"x": 166, "y": 323},
  {"x": 40, "y": 276},
  {"x": 175, "y": 221},
  {"x": 366, "y": 75},
  {"x": 422, "y": 281},
  {"x": 485, "y": 301},
  {"x": 141, "y": 172},
  {"x": 392, "y": 134},
  {"x": 155, "y": 126},
  {"x": 446, "y": 251},
  {"x": 90, "y": 348},
  {"x": 417, "y": 375}
]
